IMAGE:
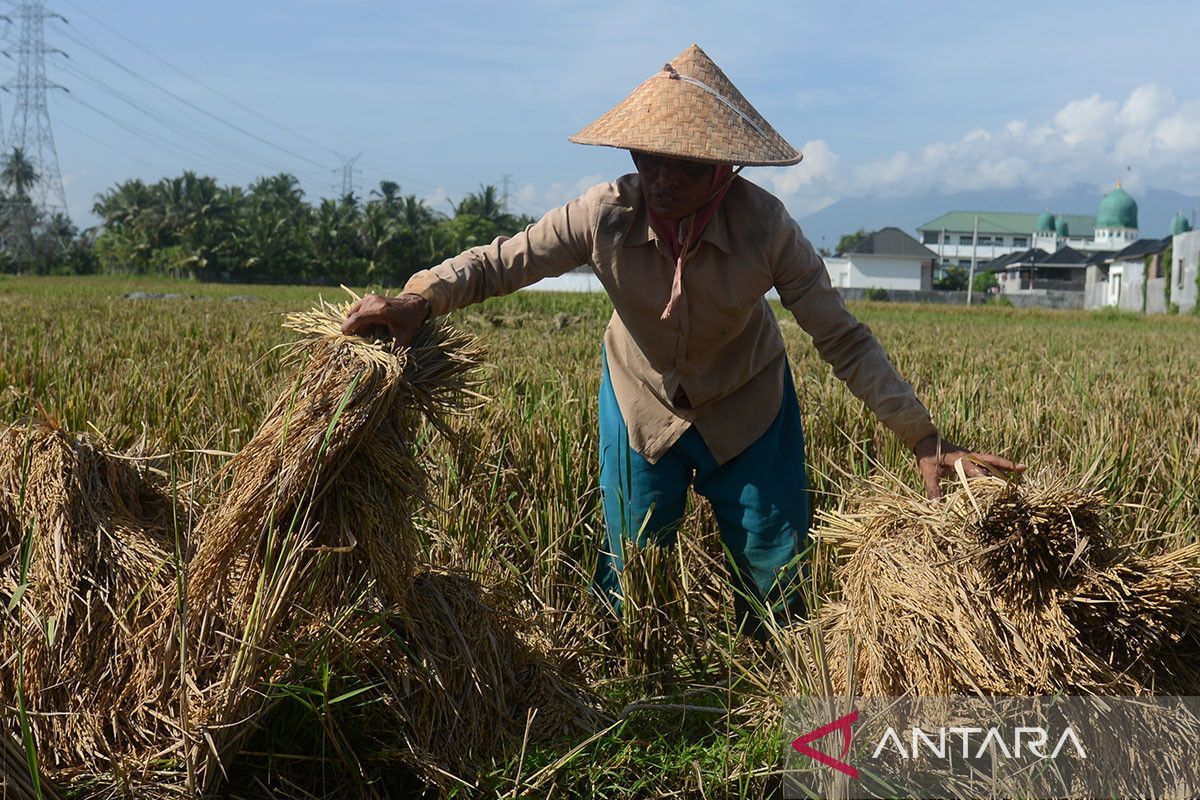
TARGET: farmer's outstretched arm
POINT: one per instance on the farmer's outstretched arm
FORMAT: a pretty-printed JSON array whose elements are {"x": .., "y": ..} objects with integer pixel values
[
  {"x": 858, "y": 359},
  {"x": 557, "y": 243}
]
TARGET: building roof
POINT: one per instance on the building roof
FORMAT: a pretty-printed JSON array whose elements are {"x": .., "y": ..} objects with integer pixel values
[
  {"x": 1065, "y": 257},
  {"x": 997, "y": 264},
  {"x": 993, "y": 222},
  {"x": 891, "y": 242},
  {"x": 1117, "y": 210},
  {"x": 1100, "y": 256},
  {"x": 1142, "y": 248},
  {"x": 1034, "y": 255}
]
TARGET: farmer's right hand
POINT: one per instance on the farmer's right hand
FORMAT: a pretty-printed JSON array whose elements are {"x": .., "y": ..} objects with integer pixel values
[{"x": 400, "y": 316}]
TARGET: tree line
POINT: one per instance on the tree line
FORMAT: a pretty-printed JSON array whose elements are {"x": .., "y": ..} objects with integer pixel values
[{"x": 193, "y": 226}]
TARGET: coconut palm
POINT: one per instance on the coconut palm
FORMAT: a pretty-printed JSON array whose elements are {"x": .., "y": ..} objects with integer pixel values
[
  {"x": 19, "y": 174},
  {"x": 20, "y": 216},
  {"x": 484, "y": 204}
]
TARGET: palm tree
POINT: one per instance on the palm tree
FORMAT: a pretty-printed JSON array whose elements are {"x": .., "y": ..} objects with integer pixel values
[
  {"x": 18, "y": 173},
  {"x": 483, "y": 203},
  {"x": 388, "y": 193},
  {"x": 122, "y": 206},
  {"x": 377, "y": 233},
  {"x": 20, "y": 216}
]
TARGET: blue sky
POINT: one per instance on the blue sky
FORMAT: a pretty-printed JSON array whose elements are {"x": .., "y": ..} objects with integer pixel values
[{"x": 884, "y": 98}]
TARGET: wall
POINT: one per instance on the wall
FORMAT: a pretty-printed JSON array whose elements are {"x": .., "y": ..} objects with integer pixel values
[
  {"x": 885, "y": 272},
  {"x": 1047, "y": 299},
  {"x": 1132, "y": 283},
  {"x": 1186, "y": 249},
  {"x": 587, "y": 282},
  {"x": 1156, "y": 298},
  {"x": 838, "y": 269},
  {"x": 911, "y": 296}
]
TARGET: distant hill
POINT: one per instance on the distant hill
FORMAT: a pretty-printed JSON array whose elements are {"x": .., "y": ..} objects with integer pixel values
[{"x": 1156, "y": 207}]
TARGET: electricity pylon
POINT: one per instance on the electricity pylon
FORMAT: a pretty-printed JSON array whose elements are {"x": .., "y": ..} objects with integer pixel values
[{"x": 30, "y": 127}]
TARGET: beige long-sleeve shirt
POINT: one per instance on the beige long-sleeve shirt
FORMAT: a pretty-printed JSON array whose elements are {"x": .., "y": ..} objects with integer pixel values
[{"x": 722, "y": 345}]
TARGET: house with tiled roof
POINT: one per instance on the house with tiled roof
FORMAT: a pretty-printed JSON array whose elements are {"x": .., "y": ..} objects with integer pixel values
[{"x": 887, "y": 259}]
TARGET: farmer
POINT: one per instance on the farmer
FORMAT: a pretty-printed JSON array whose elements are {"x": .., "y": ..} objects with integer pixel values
[{"x": 696, "y": 388}]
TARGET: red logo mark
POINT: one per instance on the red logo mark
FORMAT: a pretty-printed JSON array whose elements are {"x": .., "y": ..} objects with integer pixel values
[{"x": 801, "y": 745}]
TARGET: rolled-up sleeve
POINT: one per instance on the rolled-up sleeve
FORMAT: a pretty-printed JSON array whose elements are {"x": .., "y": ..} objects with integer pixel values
[
  {"x": 557, "y": 243},
  {"x": 841, "y": 339}
]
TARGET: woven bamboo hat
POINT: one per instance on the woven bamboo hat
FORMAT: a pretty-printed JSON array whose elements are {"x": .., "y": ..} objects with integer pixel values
[{"x": 691, "y": 110}]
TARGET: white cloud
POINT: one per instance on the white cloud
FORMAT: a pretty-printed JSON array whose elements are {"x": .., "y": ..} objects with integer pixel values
[
  {"x": 1084, "y": 120},
  {"x": 819, "y": 164},
  {"x": 1090, "y": 140},
  {"x": 1146, "y": 105},
  {"x": 438, "y": 200}
]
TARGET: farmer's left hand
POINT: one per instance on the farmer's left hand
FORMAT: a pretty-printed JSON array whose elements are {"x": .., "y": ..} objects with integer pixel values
[{"x": 936, "y": 458}]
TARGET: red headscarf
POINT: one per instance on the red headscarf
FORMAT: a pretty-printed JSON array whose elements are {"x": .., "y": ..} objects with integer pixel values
[{"x": 668, "y": 229}]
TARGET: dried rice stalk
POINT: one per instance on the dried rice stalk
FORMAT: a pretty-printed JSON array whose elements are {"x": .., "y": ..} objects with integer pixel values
[
  {"x": 1005, "y": 589},
  {"x": 315, "y": 538},
  {"x": 322, "y": 496},
  {"x": 96, "y": 532},
  {"x": 311, "y": 557}
]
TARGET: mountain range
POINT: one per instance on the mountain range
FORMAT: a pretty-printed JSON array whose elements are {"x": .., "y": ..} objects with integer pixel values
[{"x": 1156, "y": 208}]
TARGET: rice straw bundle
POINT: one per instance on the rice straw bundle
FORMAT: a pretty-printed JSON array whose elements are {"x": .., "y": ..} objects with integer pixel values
[
  {"x": 466, "y": 677},
  {"x": 310, "y": 557},
  {"x": 1143, "y": 616},
  {"x": 329, "y": 483},
  {"x": 315, "y": 536},
  {"x": 87, "y": 543},
  {"x": 1005, "y": 589}
]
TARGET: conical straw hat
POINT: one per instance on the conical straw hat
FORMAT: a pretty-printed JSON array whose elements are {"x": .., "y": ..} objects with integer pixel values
[{"x": 691, "y": 110}]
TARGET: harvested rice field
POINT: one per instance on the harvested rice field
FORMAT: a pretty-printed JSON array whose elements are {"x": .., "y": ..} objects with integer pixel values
[{"x": 242, "y": 556}]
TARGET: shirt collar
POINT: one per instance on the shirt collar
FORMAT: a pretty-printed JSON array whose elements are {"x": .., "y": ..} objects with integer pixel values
[{"x": 716, "y": 233}]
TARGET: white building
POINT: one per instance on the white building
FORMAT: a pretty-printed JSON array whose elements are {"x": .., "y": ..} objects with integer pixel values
[
  {"x": 887, "y": 259},
  {"x": 1185, "y": 267},
  {"x": 957, "y": 236}
]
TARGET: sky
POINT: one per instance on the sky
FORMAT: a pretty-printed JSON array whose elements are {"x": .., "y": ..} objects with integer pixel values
[{"x": 884, "y": 99}]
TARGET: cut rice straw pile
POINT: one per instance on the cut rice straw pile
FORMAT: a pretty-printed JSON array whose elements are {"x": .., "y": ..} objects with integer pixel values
[
  {"x": 86, "y": 539},
  {"x": 308, "y": 562},
  {"x": 1005, "y": 589}
]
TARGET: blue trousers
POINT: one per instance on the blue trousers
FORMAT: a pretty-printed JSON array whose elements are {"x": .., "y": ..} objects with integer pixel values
[{"x": 760, "y": 500}]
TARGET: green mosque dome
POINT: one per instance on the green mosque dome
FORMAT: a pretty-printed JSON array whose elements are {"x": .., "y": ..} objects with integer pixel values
[
  {"x": 1180, "y": 224},
  {"x": 1063, "y": 230},
  {"x": 1117, "y": 210},
  {"x": 1045, "y": 223}
]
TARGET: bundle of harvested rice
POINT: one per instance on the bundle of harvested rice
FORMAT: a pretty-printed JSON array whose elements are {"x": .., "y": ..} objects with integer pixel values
[
  {"x": 466, "y": 677},
  {"x": 1005, "y": 589},
  {"x": 307, "y": 565},
  {"x": 86, "y": 552},
  {"x": 316, "y": 536}
]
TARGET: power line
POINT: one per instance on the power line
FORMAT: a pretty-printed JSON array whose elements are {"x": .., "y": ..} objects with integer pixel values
[
  {"x": 144, "y": 135},
  {"x": 179, "y": 98},
  {"x": 248, "y": 109},
  {"x": 174, "y": 125},
  {"x": 289, "y": 130},
  {"x": 109, "y": 145},
  {"x": 149, "y": 137},
  {"x": 228, "y": 149}
]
